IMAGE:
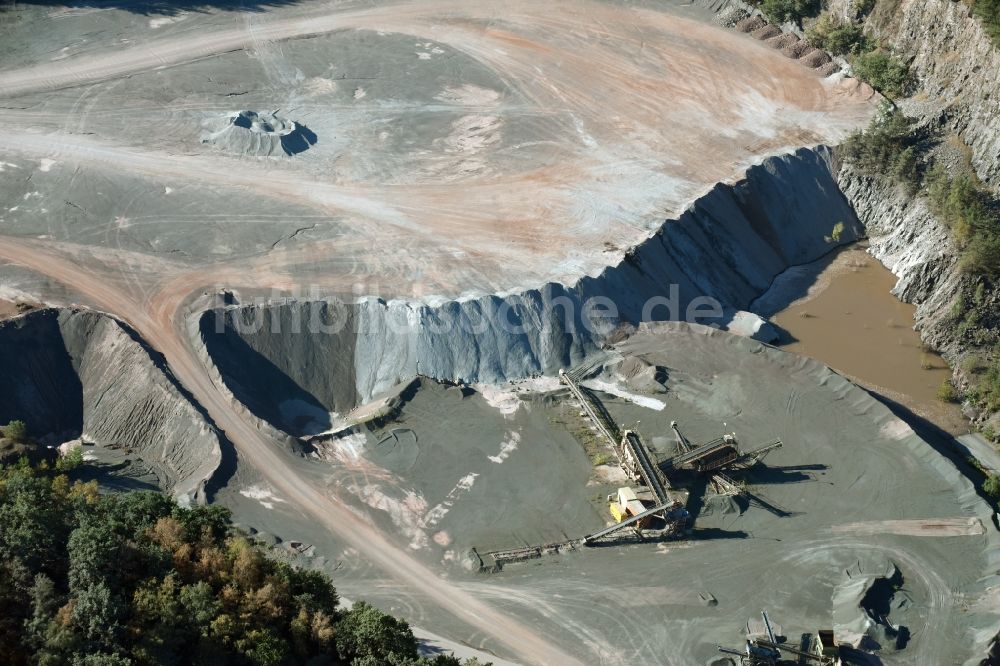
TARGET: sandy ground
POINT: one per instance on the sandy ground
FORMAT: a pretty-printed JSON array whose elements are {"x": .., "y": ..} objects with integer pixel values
[{"x": 603, "y": 118}]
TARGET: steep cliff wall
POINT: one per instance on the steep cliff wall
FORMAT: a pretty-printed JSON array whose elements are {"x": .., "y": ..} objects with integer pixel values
[
  {"x": 957, "y": 67},
  {"x": 84, "y": 374},
  {"x": 294, "y": 364}
]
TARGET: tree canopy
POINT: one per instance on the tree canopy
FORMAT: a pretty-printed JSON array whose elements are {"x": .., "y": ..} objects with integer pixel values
[{"x": 91, "y": 579}]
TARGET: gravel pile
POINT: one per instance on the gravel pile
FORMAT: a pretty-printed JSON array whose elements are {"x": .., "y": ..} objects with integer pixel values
[
  {"x": 751, "y": 23},
  {"x": 798, "y": 49},
  {"x": 257, "y": 134},
  {"x": 829, "y": 68},
  {"x": 732, "y": 17},
  {"x": 782, "y": 41},
  {"x": 816, "y": 58},
  {"x": 766, "y": 32}
]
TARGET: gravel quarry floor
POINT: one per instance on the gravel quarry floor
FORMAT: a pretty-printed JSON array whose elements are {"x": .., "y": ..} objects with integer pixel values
[
  {"x": 851, "y": 495},
  {"x": 605, "y": 118},
  {"x": 119, "y": 191}
]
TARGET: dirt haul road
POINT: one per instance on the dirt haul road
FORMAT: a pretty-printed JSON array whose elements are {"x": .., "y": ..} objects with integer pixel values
[
  {"x": 162, "y": 327},
  {"x": 631, "y": 113}
]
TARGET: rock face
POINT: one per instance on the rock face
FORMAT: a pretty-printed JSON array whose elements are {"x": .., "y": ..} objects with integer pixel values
[
  {"x": 83, "y": 374},
  {"x": 293, "y": 365},
  {"x": 956, "y": 64},
  {"x": 258, "y": 134}
]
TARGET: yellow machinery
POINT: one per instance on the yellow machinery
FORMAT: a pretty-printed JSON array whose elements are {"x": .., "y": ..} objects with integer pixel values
[{"x": 625, "y": 505}]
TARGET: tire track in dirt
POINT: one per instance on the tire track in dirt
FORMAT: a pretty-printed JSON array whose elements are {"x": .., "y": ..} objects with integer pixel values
[{"x": 160, "y": 322}]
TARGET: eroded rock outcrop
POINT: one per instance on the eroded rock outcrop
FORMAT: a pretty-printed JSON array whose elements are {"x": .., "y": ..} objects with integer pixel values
[{"x": 70, "y": 374}]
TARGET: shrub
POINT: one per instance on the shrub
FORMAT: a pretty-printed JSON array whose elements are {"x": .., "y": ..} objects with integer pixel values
[
  {"x": 906, "y": 169},
  {"x": 70, "y": 461},
  {"x": 980, "y": 294},
  {"x": 988, "y": 11},
  {"x": 946, "y": 392},
  {"x": 982, "y": 255},
  {"x": 884, "y": 71},
  {"x": 887, "y": 148},
  {"x": 17, "y": 431},
  {"x": 835, "y": 233},
  {"x": 601, "y": 459},
  {"x": 969, "y": 323},
  {"x": 967, "y": 210},
  {"x": 959, "y": 308},
  {"x": 988, "y": 389},
  {"x": 989, "y": 433},
  {"x": 971, "y": 364},
  {"x": 830, "y": 34},
  {"x": 991, "y": 486},
  {"x": 781, "y": 11},
  {"x": 862, "y": 7}
]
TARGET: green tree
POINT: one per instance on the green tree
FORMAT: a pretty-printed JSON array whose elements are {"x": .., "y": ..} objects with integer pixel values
[
  {"x": 102, "y": 580},
  {"x": 263, "y": 648},
  {"x": 833, "y": 35},
  {"x": 366, "y": 632},
  {"x": 886, "y": 148},
  {"x": 906, "y": 169},
  {"x": 102, "y": 659},
  {"x": 884, "y": 71},
  {"x": 96, "y": 552},
  {"x": 782, "y": 11},
  {"x": 45, "y": 601},
  {"x": 199, "y": 603},
  {"x": 98, "y": 613}
]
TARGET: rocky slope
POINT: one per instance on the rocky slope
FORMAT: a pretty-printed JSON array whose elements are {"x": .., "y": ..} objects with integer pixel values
[
  {"x": 297, "y": 365},
  {"x": 956, "y": 65},
  {"x": 956, "y": 104},
  {"x": 71, "y": 374},
  {"x": 958, "y": 101}
]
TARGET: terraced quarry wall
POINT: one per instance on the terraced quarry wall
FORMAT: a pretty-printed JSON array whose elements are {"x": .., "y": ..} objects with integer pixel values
[{"x": 293, "y": 364}]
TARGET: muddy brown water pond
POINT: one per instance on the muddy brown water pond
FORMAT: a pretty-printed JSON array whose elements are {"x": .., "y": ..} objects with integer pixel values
[{"x": 848, "y": 318}]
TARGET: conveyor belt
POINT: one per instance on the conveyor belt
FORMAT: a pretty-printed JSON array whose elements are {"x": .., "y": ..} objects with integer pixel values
[
  {"x": 646, "y": 468},
  {"x": 592, "y": 410},
  {"x": 698, "y": 453},
  {"x": 625, "y": 523}
]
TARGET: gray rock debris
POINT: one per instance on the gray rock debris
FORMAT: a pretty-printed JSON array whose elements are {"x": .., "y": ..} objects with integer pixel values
[
  {"x": 257, "y": 134},
  {"x": 83, "y": 374},
  {"x": 729, "y": 246}
]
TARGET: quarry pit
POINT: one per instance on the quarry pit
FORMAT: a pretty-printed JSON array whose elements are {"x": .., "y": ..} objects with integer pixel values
[{"x": 352, "y": 337}]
